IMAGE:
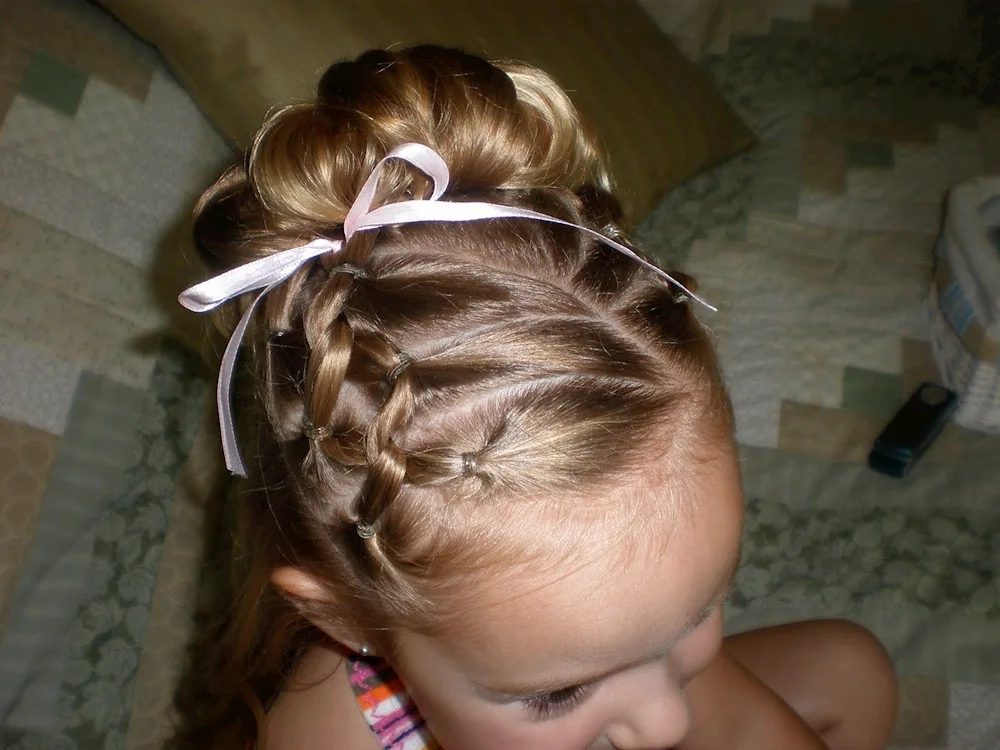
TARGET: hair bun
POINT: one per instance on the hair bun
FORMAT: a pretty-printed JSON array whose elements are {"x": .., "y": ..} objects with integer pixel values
[
  {"x": 497, "y": 125},
  {"x": 507, "y": 125}
]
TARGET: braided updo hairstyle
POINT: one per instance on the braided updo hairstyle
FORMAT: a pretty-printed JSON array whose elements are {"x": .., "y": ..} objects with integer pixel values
[{"x": 417, "y": 404}]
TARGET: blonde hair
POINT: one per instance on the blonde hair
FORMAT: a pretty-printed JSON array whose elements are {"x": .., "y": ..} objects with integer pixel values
[{"x": 441, "y": 383}]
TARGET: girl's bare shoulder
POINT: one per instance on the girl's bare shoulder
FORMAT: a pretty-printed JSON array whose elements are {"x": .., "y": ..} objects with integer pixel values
[{"x": 318, "y": 710}]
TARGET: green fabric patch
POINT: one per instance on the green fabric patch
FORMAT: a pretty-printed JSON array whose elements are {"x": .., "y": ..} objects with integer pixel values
[
  {"x": 54, "y": 84},
  {"x": 870, "y": 155},
  {"x": 873, "y": 393}
]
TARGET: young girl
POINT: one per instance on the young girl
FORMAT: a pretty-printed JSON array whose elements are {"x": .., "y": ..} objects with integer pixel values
[{"x": 493, "y": 500}]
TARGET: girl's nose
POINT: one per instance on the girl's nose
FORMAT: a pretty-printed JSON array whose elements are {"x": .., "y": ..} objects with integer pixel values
[{"x": 654, "y": 713}]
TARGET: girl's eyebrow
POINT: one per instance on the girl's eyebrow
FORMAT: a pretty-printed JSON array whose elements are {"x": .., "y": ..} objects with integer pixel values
[{"x": 509, "y": 693}]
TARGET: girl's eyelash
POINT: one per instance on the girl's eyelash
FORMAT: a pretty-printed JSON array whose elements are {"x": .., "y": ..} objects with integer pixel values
[
  {"x": 558, "y": 703},
  {"x": 715, "y": 607},
  {"x": 707, "y": 616},
  {"x": 724, "y": 599}
]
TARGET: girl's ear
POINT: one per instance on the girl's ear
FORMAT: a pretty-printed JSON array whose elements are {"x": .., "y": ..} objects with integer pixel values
[{"x": 298, "y": 584}]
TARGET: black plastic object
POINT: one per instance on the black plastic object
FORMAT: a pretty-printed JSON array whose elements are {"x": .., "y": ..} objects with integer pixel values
[{"x": 912, "y": 431}]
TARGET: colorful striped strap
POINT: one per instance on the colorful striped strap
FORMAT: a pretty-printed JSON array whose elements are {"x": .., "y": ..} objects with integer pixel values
[{"x": 388, "y": 708}]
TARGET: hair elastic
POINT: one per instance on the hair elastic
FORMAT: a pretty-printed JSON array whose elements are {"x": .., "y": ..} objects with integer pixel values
[
  {"x": 269, "y": 272},
  {"x": 469, "y": 464},
  {"x": 365, "y": 530},
  {"x": 403, "y": 361},
  {"x": 357, "y": 273},
  {"x": 313, "y": 432}
]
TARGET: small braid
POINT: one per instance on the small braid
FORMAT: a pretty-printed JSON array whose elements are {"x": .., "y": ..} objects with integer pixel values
[
  {"x": 332, "y": 343},
  {"x": 329, "y": 335},
  {"x": 386, "y": 460}
]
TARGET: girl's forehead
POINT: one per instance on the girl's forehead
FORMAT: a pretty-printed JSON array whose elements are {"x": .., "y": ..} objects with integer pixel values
[{"x": 608, "y": 608}]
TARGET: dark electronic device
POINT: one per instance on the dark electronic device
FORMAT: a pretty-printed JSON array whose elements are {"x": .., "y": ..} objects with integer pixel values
[{"x": 912, "y": 430}]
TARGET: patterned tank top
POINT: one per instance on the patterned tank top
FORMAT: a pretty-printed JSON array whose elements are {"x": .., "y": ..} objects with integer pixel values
[{"x": 387, "y": 707}]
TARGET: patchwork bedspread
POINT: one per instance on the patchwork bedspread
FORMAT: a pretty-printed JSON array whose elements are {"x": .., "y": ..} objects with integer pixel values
[{"x": 816, "y": 247}]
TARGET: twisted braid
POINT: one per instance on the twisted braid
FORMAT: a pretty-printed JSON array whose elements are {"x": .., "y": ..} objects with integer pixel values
[
  {"x": 333, "y": 343},
  {"x": 386, "y": 460}
]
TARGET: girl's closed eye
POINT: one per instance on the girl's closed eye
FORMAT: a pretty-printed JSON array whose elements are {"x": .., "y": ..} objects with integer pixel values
[{"x": 557, "y": 703}]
